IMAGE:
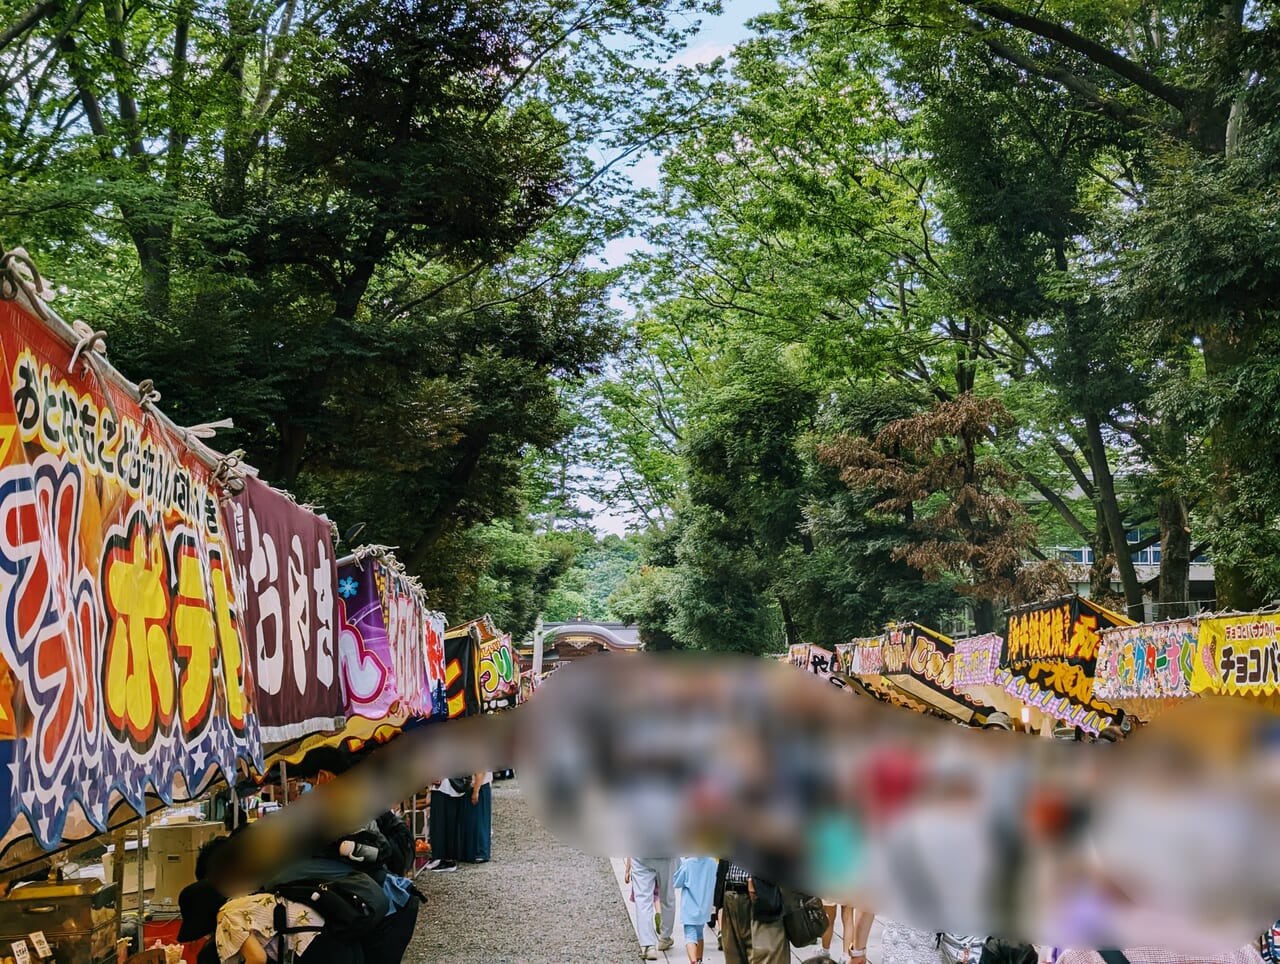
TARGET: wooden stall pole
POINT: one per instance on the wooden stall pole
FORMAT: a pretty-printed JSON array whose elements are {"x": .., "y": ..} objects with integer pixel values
[
  {"x": 284, "y": 783},
  {"x": 142, "y": 869},
  {"x": 117, "y": 876}
]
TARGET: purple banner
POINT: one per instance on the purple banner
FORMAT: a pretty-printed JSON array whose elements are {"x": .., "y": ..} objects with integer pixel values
[
  {"x": 368, "y": 672},
  {"x": 287, "y": 589}
]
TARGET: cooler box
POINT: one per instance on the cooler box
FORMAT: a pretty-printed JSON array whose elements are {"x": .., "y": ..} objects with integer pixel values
[
  {"x": 78, "y": 918},
  {"x": 165, "y": 930},
  {"x": 174, "y": 848}
]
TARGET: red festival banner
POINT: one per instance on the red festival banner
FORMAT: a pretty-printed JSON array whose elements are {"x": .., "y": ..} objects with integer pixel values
[{"x": 122, "y": 640}]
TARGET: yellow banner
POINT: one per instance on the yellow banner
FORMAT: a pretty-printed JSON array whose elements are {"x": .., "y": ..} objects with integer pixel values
[{"x": 1238, "y": 655}]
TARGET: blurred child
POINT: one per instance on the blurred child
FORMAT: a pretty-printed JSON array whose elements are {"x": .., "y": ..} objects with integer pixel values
[{"x": 696, "y": 879}]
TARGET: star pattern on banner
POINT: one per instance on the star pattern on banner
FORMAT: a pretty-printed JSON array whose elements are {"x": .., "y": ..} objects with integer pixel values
[{"x": 128, "y": 772}]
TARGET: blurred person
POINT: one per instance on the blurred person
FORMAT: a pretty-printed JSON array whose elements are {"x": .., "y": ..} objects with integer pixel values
[
  {"x": 1152, "y": 955},
  {"x": 752, "y": 928},
  {"x": 247, "y": 932},
  {"x": 836, "y": 859},
  {"x": 769, "y": 944},
  {"x": 475, "y": 821},
  {"x": 999, "y": 720},
  {"x": 647, "y": 876},
  {"x": 444, "y": 823},
  {"x": 937, "y": 855},
  {"x": 245, "y": 929},
  {"x": 696, "y": 880},
  {"x": 856, "y": 924},
  {"x": 1003, "y": 797},
  {"x": 734, "y": 903},
  {"x": 384, "y": 851},
  {"x": 832, "y": 911}
]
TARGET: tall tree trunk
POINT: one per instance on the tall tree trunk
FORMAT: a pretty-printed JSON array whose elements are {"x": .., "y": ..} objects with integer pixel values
[
  {"x": 1110, "y": 510},
  {"x": 1100, "y": 571},
  {"x": 984, "y": 616},
  {"x": 287, "y": 461},
  {"x": 154, "y": 244},
  {"x": 1224, "y": 352},
  {"x": 1175, "y": 527},
  {"x": 1175, "y": 557},
  {"x": 235, "y": 146},
  {"x": 789, "y": 623},
  {"x": 471, "y": 450}
]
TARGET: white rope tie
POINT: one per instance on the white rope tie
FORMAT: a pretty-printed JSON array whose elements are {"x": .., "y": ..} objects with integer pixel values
[
  {"x": 147, "y": 393},
  {"x": 18, "y": 273},
  {"x": 89, "y": 348},
  {"x": 90, "y": 341},
  {"x": 208, "y": 429}
]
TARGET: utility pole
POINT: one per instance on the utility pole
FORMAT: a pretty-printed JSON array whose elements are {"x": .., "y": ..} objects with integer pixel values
[{"x": 537, "y": 649}]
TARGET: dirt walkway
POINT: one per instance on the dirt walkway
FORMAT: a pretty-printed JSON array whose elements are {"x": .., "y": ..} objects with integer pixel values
[{"x": 536, "y": 901}]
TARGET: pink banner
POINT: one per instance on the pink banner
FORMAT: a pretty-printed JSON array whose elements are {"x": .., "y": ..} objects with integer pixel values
[{"x": 976, "y": 659}]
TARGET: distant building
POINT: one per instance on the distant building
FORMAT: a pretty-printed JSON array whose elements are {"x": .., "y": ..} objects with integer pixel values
[
  {"x": 1078, "y": 560},
  {"x": 564, "y": 642},
  {"x": 1146, "y": 562}
]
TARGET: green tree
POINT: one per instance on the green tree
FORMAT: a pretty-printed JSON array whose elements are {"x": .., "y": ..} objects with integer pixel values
[
  {"x": 1193, "y": 86},
  {"x": 361, "y": 230}
]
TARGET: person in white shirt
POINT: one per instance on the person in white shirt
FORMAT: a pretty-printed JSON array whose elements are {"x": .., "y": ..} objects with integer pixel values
[{"x": 444, "y": 827}]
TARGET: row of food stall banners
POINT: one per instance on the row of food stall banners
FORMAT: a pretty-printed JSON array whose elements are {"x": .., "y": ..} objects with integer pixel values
[
  {"x": 1069, "y": 659},
  {"x": 168, "y": 618}
]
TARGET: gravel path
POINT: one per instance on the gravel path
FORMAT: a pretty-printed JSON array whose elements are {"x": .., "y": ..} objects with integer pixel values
[
  {"x": 901, "y": 944},
  {"x": 535, "y": 901}
]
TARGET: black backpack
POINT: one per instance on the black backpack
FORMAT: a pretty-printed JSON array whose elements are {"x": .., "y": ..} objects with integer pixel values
[
  {"x": 350, "y": 906},
  {"x": 400, "y": 859},
  {"x": 999, "y": 952},
  {"x": 803, "y": 918}
]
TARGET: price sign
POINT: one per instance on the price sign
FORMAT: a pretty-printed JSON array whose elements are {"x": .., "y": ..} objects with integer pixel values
[
  {"x": 21, "y": 953},
  {"x": 41, "y": 945}
]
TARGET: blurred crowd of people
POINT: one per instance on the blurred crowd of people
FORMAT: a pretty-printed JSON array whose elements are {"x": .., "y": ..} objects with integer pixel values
[{"x": 352, "y": 902}]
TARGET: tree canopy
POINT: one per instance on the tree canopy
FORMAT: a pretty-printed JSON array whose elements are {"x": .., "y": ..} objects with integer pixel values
[
  {"x": 929, "y": 290},
  {"x": 368, "y": 232},
  {"x": 1015, "y": 265}
]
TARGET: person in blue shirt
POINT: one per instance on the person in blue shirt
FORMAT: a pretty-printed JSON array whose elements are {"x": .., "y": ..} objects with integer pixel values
[{"x": 696, "y": 880}]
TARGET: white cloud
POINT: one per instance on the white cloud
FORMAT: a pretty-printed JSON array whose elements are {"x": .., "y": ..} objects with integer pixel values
[{"x": 702, "y": 53}]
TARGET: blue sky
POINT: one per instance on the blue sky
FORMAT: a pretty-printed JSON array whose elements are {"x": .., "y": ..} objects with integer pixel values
[{"x": 716, "y": 38}]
